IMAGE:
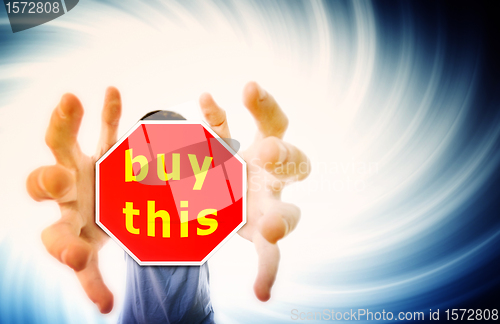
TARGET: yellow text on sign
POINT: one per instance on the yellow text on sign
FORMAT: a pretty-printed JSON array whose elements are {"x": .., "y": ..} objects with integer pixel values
[
  {"x": 153, "y": 214},
  {"x": 199, "y": 173}
]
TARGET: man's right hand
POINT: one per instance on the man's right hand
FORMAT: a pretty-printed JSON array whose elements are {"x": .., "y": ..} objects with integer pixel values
[{"x": 75, "y": 239}]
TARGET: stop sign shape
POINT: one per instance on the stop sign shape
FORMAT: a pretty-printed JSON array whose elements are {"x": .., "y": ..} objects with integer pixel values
[{"x": 170, "y": 192}]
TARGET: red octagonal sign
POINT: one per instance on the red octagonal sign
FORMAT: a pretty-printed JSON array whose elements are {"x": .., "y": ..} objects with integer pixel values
[{"x": 170, "y": 192}]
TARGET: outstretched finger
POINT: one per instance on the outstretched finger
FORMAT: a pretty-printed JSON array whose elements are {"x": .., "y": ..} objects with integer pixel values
[
  {"x": 269, "y": 257},
  {"x": 61, "y": 136},
  {"x": 285, "y": 161},
  {"x": 51, "y": 182},
  {"x": 279, "y": 219},
  {"x": 270, "y": 119},
  {"x": 214, "y": 115},
  {"x": 62, "y": 240},
  {"x": 111, "y": 114},
  {"x": 93, "y": 284}
]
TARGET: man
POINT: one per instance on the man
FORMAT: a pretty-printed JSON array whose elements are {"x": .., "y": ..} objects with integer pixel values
[{"x": 165, "y": 294}]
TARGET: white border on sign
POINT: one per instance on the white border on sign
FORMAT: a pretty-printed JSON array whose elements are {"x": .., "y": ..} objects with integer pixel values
[{"x": 123, "y": 138}]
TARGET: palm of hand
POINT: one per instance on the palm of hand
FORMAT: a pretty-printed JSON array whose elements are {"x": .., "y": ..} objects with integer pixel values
[{"x": 75, "y": 239}]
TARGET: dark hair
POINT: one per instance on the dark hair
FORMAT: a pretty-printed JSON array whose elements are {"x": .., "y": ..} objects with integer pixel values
[{"x": 162, "y": 115}]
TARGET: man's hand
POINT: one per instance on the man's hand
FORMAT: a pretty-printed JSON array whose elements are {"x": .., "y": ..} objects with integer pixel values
[
  {"x": 75, "y": 239},
  {"x": 272, "y": 164}
]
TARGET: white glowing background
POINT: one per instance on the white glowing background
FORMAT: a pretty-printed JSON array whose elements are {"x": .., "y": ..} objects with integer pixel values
[{"x": 376, "y": 124}]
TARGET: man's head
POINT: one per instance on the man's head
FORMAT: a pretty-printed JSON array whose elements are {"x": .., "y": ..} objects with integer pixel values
[{"x": 162, "y": 115}]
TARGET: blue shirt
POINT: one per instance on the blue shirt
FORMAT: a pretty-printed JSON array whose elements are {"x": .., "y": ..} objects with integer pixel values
[{"x": 156, "y": 294}]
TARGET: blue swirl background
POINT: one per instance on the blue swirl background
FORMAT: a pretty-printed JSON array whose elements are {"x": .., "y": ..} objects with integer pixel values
[{"x": 396, "y": 103}]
